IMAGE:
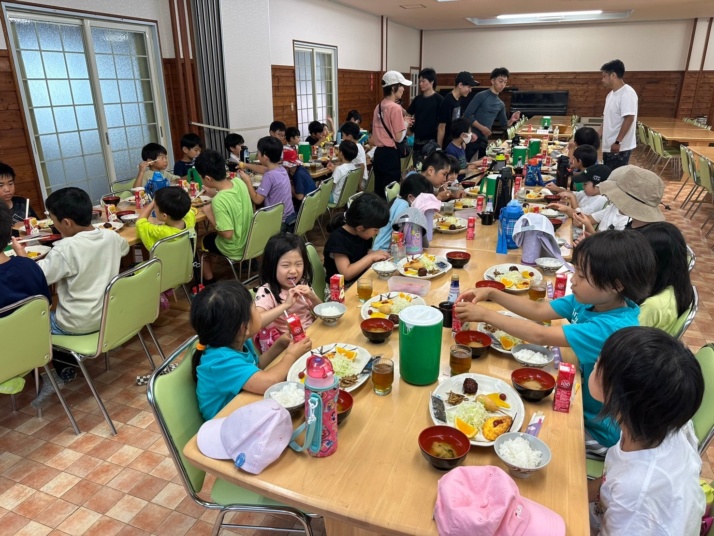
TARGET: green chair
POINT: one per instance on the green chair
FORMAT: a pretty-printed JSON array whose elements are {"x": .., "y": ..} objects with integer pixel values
[
  {"x": 348, "y": 190},
  {"x": 352, "y": 198},
  {"x": 266, "y": 222},
  {"x": 131, "y": 302},
  {"x": 369, "y": 187},
  {"x": 325, "y": 193},
  {"x": 172, "y": 397},
  {"x": 176, "y": 256},
  {"x": 668, "y": 154},
  {"x": 318, "y": 271},
  {"x": 686, "y": 318},
  {"x": 407, "y": 162},
  {"x": 27, "y": 325},
  {"x": 704, "y": 418},
  {"x": 391, "y": 191},
  {"x": 123, "y": 188},
  {"x": 691, "y": 258},
  {"x": 594, "y": 468},
  {"x": 695, "y": 175},
  {"x": 705, "y": 186},
  {"x": 307, "y": 214},
  {"x": 684, "y": 157},
  {"x": 642, "y": 139}
]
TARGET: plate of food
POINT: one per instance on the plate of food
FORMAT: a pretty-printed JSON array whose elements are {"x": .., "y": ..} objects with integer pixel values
[
  {"x": 500, "y": 340},
  {"x": 463, "y": 203},
  {"x": 389, "y": 305},
  {"x": 483, "y": 407},
  {"x": 33, "y": 252},
  {"x": 473, "y": 192},
  {"x": 449, "y": 224},
  {"x": 516, "y": 277},
  {"x": 424, "y": 266},
  {"x": 532, "y": 195},
  {"x": 347, "y": 361},
  {"x": 109, "y": 225},
  {"x": 552, "y": 213},
  {"x": 201, "y": 200}
]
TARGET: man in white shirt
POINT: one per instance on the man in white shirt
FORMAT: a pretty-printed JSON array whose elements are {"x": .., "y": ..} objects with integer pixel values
[{"x": 619, "y": 118}]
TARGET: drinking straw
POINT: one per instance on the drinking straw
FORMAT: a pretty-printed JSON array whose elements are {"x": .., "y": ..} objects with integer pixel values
[{"x": 27, "y": 209}]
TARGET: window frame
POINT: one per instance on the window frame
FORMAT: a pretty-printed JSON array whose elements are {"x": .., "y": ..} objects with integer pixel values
[{"x": 314, "y": 48}]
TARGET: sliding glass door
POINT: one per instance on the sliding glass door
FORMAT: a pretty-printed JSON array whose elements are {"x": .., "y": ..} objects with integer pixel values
[{"x": 93, "y": 96}]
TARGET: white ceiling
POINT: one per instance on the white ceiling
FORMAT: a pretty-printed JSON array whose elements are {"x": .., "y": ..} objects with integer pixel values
[{"x": 452, "y": 15}]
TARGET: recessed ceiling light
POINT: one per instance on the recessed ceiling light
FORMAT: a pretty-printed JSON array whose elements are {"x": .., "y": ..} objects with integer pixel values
[
  {"x": 550, "y": 18},
  {"x": 413, "y": 6},
  {"x": 553, "y": 15}
]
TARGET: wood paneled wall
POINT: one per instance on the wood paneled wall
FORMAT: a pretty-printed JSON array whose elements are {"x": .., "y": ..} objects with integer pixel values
[
  {"x": 14, "y": 147},
  {"x": 178, "y": 121},
  {"x": 657, "y": 90},
  {"x": 357, "y": 90},
  {"x": 697, "y": 94}
]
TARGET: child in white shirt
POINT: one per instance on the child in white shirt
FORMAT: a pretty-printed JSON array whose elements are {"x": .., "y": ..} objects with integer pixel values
[
  {"x": 652, "y": 385},
  {"x": 350, "y": 132},
  {"x": 348, "y": 152}
]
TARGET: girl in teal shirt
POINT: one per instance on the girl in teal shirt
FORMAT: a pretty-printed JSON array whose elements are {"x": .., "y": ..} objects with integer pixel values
[{"x": 225, "y": 361}]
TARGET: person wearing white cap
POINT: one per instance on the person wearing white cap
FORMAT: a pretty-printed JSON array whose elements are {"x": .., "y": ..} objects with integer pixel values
[{"x": 389, "y": 127}]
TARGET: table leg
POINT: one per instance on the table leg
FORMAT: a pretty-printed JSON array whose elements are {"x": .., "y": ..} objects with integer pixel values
[{"x": 338, "y": 528}]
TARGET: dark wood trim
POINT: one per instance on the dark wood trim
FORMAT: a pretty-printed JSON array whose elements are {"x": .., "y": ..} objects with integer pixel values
[
  {"x": 421, "y": 49},
  {"x": 691, "y": 45},
  {"x": 381, "y": 43},
  {"x": 188, "y": 93},
  {"x": 180, "y": 66}
]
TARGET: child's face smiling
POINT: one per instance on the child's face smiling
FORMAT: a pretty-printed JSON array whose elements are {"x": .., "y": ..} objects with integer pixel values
[{"x": 290, "y": 269}]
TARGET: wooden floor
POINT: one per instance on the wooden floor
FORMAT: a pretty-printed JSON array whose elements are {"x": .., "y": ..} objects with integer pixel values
[{"x": 53, "y": 482}]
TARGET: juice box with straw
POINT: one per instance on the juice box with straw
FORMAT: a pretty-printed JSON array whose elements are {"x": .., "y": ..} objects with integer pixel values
[{"x": 337, "y": 288}]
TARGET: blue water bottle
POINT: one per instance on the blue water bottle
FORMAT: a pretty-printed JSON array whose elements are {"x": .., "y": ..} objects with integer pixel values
[
  {"x": 509, "y": 216},
  {"x": 155, "y": 184}
]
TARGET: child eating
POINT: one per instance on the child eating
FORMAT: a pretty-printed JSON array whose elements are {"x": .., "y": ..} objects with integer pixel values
[
  {"x": 153, "y": 158},
  {"x": 225, "y": 361},
  {"x": 650, "y": 484}
]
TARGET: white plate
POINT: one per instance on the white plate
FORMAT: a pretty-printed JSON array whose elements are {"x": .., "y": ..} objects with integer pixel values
[
  {"x": 416, "y": 300},
  {"x": 503, "y": 268},
  {"x": 461, "y": 224},
  {"x": 486, "y": 385},
  {"x": 41, "y": 250},
  {"x": 116, "y": 225},
  {"x": 363, "y": 357},
  {"x": 465, "y": 204},
  {"x": 403, "y": 271},
  {"x": 473, "y": 192},
  {"x": 495, "y": 344}
]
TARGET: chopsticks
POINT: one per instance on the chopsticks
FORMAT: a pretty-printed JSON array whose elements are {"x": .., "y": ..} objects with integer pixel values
[{"x": 32, "y": 238}]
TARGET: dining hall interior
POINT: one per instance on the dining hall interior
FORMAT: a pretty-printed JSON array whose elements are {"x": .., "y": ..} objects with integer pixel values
[{"x": 84, "y": 85}]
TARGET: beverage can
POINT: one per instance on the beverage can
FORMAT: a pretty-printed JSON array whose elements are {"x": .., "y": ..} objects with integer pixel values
[
  {"x": 295, "y": 327},
  {"x": 480, "y": 199},
  {"x": 471, "y": 228},
  {"x": 564, "y": 387},
  {"x": 518, "y": 181},
  {"x": 192, "y": 189},
  {"x": 337, "y": 288},
  {"x": 183, "y": 183},
  {"x": 484, "y": 162},
  {"x": 313, "y": 151}
]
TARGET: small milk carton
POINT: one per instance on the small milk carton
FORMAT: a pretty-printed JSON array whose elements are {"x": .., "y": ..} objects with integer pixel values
[
  {"x": 337, "y": 288},
  {"x": 564, "y": 387}
]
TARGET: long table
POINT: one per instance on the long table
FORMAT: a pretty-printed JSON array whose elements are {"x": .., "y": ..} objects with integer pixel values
[
  {"x": 679, "y": 131},
  {"x": 563, "y": 133},
  {"x": 377, "y": 482}
]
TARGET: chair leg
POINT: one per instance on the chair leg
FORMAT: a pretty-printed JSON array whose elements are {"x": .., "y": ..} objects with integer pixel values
[
  {"x": 62, "y": 400},
  {"x": 37, "y": 391},
  {"x": 219, "y": 522},
  {"x": 13, "y": 404},
  {"x": 684, "y": 183},
  {"x": 106, "y": 360},
  {"x": 233, "y": 268},
  {"x": 695, "y": 202},
  {"x": 146, "y": 349},
  {"x": 95, "y": 393},
  {"x": 708, "y": 218},
  {"x": 185, "y": 291},
  {"x": 155, "y": 341},
  {"x": 694, "y": 189}
]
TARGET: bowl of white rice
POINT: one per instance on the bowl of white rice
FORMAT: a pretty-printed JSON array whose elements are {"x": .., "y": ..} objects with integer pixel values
[
  {"x": 523, "y": 454},
  {"x": 548, "y": 264},
  {"x": 384, "y": 269},
  {"x": 290, "y": 395},
  {"x": 330, "y": 312},
  {"x": 532, "y": 355}
]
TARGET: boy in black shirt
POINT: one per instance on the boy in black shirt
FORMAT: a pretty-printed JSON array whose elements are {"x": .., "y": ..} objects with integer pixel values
[
  {"x": 450, "y": 109},
  {"x": 425, "y": 109}
]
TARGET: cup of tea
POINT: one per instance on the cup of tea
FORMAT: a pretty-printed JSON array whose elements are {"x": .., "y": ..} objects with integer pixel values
[
  {"x": 537, "y": 290},
  {"x": 364, "y": 289},
  {"x": 459, "y": 359},
  {"x": 383, "y": 376},
  {"x": 447, "y": 309}
]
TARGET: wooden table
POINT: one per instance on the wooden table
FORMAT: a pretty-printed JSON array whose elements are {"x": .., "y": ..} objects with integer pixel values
[
  {"x": 565, "y": 133},
  {"x": 658, "y": 122},
  {"x": 706, "y": 152},
  {"x": 377, "y": 482},
  {"x": 692, "y": 136}
]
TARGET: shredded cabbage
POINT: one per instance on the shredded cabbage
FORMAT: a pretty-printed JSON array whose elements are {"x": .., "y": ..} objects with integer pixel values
[
  {"x": 343, "y": 366},
  {"x": 471, "y": 412}
]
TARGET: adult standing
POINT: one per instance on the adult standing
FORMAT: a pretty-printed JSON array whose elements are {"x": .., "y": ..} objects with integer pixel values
[
  {"x": 451, "y": 106},
  {"x": 425, "y": 109},
  {"x": 388, "y": 128},
  {"x": 484, "y": 109},
  {"x": 619, "y": 118}
]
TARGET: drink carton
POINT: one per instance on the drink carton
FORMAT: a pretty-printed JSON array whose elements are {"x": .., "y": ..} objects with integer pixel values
[
  {"x": 471, "y": 228},
  {"x": 564, "y": 387},
  {"x": 337, "y": 288},
  {"x": 561, "y": 282},
  {"x": 295, "y": 327}
]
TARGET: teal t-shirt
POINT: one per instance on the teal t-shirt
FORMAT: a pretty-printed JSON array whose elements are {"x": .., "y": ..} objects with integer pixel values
[
  {"x": 586, "y": 334},
  {"x": 221, "y": 376}
]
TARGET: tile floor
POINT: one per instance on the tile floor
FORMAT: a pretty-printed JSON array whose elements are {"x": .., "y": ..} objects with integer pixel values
[{"x": 53, "y": 482}]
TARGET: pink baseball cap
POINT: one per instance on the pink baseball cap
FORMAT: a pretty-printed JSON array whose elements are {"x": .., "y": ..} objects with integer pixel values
[
  {"x": 485, "y": 501},
  {"x": 253, "y": 436}
]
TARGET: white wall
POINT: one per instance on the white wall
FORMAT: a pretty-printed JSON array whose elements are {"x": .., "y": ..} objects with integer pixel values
[
  {"x": 156, "y": 10},
  {"x": 645, "y": 46},
  {"x": 356, "y": 34},
  {"x": 248, "y": 74},
  {"x": 402, "y": 47}
]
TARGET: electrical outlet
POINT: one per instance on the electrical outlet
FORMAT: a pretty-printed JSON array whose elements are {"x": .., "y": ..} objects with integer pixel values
[{"x": 292, "y": 106}]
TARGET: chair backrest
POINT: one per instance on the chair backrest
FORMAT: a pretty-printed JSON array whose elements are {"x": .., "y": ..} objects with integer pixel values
[
  {"x": 391, "y": 191},
  {"x": 172, "y": 397},
  {"x": 266, "y": 223},
  {"x": 704, "y": 417},
  {"x": 657, "y": 141},
  {"x": 370, "y": 181},
  {"x": 351, "y": 199},
  {"x": 691, "y": 258},
  {"x": 176, "y": 256},
  {"x": 693, "y": 171},
  {"x": 685, "y": 160},
  {"x": 318, "y": 271},
  {"x": 687, "y": 317},
  {"x": 325, "y": 192},
  {"x": 349, "y": 188},
  {"x": 26, "y": 330},
  {"x": 650, "y": 138},
  {"x": 641, "y": 133},
  {"x": 131, "y": 301},
  {"x": 308, "y": 213},
  {"x": 705, "y": 173}
]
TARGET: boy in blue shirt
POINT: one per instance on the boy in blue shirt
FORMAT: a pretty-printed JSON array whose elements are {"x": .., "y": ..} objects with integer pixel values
[{"x": 613, "y": 271}]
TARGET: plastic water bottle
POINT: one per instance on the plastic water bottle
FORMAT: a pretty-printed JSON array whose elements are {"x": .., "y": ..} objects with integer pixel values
[
  {"x": 509, "y": 216},
  {"x": 321, "y": 390},
  {"x": 454, "y": 288}
]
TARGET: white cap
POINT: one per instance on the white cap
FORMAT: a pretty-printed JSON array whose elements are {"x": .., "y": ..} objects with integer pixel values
[{"x": 394, "y": 77}]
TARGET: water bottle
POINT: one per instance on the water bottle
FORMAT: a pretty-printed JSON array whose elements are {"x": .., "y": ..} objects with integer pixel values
[
  {"x": 509, "y": 216},
  {"x": 155, "y": 184},
  {"x": 454, "y": 288},
  {"x": 321, "y": 390}
]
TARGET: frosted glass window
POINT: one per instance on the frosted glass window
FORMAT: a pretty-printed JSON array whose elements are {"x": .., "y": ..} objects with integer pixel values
[
  {"x": 49, "y": 35},
  {"x": 60, "y": 94},
  {"x": 76, "y": 65},
  {"x": 44, "y": 121},
  {"x": 69, "y": 144},
  {"x": 50, "y": 147},
  {"x": 90, "y": 142},
  {"x": 64, "y": 118},
  {"x": 32, "y": 64},
  {"x": 81, "y": 92},
  {"x": 54, "y": 65},
  {"x": 25, "y": 35},
  {"x": 86, "y": 117},
  {"x": 38, "y": 92},
  {"x": 314, "y": 74}
]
